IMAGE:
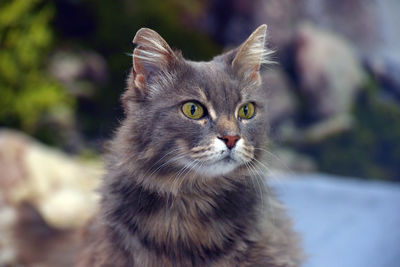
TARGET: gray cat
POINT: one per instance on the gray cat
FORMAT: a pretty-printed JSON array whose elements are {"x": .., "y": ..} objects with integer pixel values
[{"x": 182, "y": 187}]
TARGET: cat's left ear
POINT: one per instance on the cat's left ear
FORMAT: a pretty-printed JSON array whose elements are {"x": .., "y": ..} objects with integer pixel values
[
  {"x": 151, "y": 56},
  {"x": 251, "y": 55}
]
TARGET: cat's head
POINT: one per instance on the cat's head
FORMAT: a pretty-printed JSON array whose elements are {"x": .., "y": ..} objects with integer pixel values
[{"x": 203, "y": 117}]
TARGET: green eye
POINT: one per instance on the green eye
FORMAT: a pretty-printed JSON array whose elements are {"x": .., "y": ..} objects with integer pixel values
[
  {"x": 193, "y": 110},
  {"x": 246, "y": 111}
]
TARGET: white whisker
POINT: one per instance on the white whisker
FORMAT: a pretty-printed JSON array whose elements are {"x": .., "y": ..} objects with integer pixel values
[{"x": 276, "y": 157}]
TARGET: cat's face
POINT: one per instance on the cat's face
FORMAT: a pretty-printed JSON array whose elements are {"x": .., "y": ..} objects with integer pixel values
[{"x": 203, "y": 117}]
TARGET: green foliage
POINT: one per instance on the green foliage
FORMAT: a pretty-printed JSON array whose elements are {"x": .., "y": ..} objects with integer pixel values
[
  {"x": 27, "y": 93},
  {"x": 372, "y": 148}
]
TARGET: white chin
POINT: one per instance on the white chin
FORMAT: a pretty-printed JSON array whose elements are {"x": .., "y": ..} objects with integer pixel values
[{"x": 218, "y": 168}]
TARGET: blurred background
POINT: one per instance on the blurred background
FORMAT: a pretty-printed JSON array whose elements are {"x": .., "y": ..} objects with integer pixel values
[{"x": 334, "y": 94}]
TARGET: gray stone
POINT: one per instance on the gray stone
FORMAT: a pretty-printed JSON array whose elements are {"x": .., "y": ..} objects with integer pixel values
[
  {"x": 329, "y": 71},
  {"x": 59, "y": 186}
]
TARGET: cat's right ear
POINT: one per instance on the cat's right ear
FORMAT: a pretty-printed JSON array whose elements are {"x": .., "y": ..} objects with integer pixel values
[
  {"x": 251, "y": 55},
  {"x": 151, "y": 56}
]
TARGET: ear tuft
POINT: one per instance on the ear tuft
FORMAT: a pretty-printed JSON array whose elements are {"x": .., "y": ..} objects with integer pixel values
[
  {"x": 252, "y": 54},
  {"x": 152, "y": 55}
]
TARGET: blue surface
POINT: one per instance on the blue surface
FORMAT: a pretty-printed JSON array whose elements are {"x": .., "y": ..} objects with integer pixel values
[{"x": 344, "y": 222}]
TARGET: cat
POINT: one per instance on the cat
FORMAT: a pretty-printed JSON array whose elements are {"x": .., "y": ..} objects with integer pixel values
[{"x": 181, "y": 187}]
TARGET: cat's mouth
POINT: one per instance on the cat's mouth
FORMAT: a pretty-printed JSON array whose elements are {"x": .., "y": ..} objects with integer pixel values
[
  {"x": 220, "y": 167},
  {"x": 225, "y": 164},
  {"x": 227, "y": 159},
  {"x": 220, "y": 160}
]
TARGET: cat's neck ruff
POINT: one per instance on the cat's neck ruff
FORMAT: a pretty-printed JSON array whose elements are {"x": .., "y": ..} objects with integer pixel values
[{"x": 211, "y": 219}]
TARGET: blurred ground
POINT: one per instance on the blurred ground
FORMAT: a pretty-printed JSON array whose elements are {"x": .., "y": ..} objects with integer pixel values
[{"x": 344, "y": 222}]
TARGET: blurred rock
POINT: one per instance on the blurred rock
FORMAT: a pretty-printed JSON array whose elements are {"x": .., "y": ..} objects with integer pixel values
[
  {"x": 363, "y": 23},
  {"x": 60, "y": 187},
  {"x": 8, "y": 218},
  {"x": 329, "y": 72},
  {"x": 356, "y": 20}
]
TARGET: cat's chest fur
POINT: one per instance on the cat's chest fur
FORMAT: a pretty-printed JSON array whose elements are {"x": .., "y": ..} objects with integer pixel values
[
  {"x": 213, "y": 229},
  {"x": 195, "y": 229}
]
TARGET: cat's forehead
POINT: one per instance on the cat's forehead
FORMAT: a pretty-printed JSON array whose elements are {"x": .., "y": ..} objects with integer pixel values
[{"x": 213, "y": 82}]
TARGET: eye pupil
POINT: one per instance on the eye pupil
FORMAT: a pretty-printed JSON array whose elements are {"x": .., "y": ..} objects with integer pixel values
[
  {"x": 246, "y": 111},
  {"x": 193, "y": 109}
]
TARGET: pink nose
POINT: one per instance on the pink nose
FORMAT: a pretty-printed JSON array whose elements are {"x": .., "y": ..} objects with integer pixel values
[{"x": 229, "y": 140}]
